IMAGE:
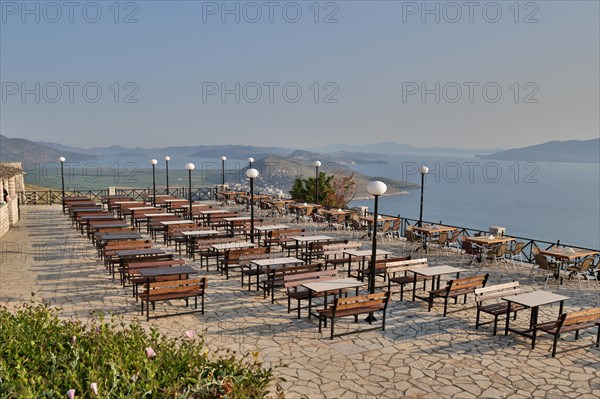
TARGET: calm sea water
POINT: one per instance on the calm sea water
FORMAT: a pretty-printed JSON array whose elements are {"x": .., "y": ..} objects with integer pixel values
[
  {"x": 542, "y": 200},
  {"x": 547, "y": 201}
]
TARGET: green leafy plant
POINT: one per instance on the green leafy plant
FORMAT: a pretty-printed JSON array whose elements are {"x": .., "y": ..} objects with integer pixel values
[
  {"x": 44, "y": 357},
  {"x": 334, "y": 190}
]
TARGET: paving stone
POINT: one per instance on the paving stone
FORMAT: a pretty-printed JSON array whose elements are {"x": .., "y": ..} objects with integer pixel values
[{"x": 421, "y": 354}]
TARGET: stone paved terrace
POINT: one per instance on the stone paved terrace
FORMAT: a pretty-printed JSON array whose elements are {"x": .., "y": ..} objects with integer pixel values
[{"x": 421, "y": 354}]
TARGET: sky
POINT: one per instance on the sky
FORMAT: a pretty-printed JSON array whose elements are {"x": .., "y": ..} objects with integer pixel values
[{"x": 300, "y": 74}]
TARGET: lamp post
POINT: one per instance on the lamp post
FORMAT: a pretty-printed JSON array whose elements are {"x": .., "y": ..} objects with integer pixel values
[
  {"x": 250, "y": 160},
  {"x": 424, "y": 171},
  {"x": 223, "y": 159},
  {"x": 316, "y": 164},
  {"x": 167, "y": 159},
  {"x": 190, "y": 166},
  {"x": 62, "y": 173},
  {"x": 252, "y": 174},
  {"x": 153, "y": 162},
  {"x": 375, "y": 188}
]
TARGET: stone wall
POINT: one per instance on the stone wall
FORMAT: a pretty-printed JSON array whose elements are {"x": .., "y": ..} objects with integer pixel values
[
  {"x": 4, "y": 220},
  {"x": 9, "y": 210}
]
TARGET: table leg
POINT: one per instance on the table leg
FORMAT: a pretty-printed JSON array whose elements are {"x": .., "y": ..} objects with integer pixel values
[
  {"x": 534, "y": 316},
  {"x": 560, "y": 307},
  {"x": 414, "y": 286},
  {"x": 309, "y": 305},
  {"x": 508, "y": 309}
]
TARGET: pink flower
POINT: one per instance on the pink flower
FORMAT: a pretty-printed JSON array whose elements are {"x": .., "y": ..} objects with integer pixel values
[
  {"x": 73, "y": 339},
  {"x": 94, "y": 388},
  {"x": 71, "y": 393},
  {"x": 190, "y": 334},
  {"x": 133, "y": 378},
  {"x": 150, "y": 352}
]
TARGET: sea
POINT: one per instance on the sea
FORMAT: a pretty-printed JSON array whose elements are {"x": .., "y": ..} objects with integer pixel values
[
  {"x": 547, "y": 201},
  {"x": 542, "y": 200}
]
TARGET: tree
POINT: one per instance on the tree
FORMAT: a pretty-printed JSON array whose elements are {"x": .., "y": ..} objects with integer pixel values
[
  {"x": 334, "y": 191},
  {"x": 342, "y": 191}
]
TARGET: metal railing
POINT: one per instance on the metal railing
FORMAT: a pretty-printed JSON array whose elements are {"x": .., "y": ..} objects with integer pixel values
[
  {"x": 528, "y": 249},
  {"x": 48, "y": 197}
]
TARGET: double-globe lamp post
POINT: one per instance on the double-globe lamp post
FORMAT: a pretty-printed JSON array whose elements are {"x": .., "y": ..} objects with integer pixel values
[
  {"x": 250, "y": 161},
  {"x": 316, "y": 164},
  {"x": 62, "y": 173},
  {"x": 252, "y": 174},
  {"x": 154, "y": 162},
  {"x": 190, "y": 166},
  {"x": 375, "y": 188},
  {"x": 167, "y": 159},
  {"x": 424, "y": 170}
]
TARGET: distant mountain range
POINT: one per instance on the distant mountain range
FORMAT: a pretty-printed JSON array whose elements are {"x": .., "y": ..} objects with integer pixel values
[
  {"x": 587, "y": 151},
  {"x": 21, "y": 150},
  {"x": 17, "y": 149}
]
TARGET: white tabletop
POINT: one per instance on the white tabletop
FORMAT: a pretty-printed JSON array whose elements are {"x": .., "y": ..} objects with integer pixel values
[
  {"x": 175, "y": 200},
  {"x": 142, "y": 208},
  {"x": 333, "y": 284},
  {"x": 366, "y": 252},
  {"x": 196, "y": 204},
  {"x": 267, "y": 227},
  {"x": 311, "y": 238},
  {"x": 233, "y": 245},
  {"x": 127, "y": 202},
  {"x": 170, "y": 222},
  {"x": 436, "y": 270},
  {"x": 536, "y": 298},
  {"x": 199, "y": 232},
  {"x": 276, "y": 261},
  {"x": 158, "y": 214},
  {"x": 211, "y": 211},
  {"x": 237, "y": 218}
]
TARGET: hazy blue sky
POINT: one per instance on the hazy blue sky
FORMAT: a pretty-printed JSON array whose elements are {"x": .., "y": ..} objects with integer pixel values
[{"x": 361, "y": 67}]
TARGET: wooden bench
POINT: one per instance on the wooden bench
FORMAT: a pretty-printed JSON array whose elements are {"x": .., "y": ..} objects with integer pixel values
[
  {"x": 173, "y": 289},
  {"x": 293, "y": 285},
  {"x": 173, "y": 234},
  {"x": 283, "y": 240},
  {"x": 334, "y": 253},
  {"x": 109, "y": 250},
  {"x": 354, "y": 306},
  {"x": 458, "y": 287},
  {"x": 275, "y": 277},
  {"x": 316, "y": 250},
  {"x": 202, "y": 247},
  {"x": 381, "y": 266},
  {"x": 486, "y": 299},
  {"x": 231, "y": 260},
  {"x": 132, "y": 269},
  {"x": 132, "y": 262},
  {"x": 568, "y": 322},
  {"x": 397, "y": 273}
]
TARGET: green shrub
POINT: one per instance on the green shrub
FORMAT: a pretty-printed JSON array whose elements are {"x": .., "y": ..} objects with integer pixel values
[{"x": 44, "y": 357}]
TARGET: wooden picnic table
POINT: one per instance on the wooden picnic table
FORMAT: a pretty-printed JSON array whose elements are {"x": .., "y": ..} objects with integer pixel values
[
  {"x": 532, "y": 300},
  {"x": 329, "y": 285},
  {"x": 429, "y": 230},
  {"x": 567, "y": 253},
  {"x": 363, "y": 254},
  {"x": 435, "y": 273},
  {"x": 220, "y": 248},
  {"x": 66, "y": 199},
  {"x": 305, "y": 240},
  {"x": 190, "y": 234},
  {"x": 231, "y": 222},
  {"x": 265, "y": 228},
  {"x": 271, "y": 263}
]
